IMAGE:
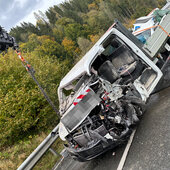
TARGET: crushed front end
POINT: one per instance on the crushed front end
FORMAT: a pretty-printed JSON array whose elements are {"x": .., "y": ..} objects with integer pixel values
[{"x": 99, "y": 122}]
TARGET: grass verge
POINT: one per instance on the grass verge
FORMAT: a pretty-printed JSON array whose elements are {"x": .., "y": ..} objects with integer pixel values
[{"x": 12, "y": 157}]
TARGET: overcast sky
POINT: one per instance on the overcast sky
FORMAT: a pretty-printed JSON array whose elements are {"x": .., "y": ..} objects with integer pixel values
[{"x": 13, "y": 12}]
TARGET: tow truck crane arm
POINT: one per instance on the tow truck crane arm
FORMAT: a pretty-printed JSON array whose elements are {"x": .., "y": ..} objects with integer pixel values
[{"x": 6, "y": 41}]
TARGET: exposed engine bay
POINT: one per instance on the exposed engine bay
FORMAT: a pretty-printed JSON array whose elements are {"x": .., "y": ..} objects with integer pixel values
[{"x": 111, "y": 120}]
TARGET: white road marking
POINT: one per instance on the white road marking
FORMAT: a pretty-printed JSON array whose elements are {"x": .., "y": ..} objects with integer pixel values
[
  {"x": 125, "y": 153},
  {"x": 58, "y": 163}
]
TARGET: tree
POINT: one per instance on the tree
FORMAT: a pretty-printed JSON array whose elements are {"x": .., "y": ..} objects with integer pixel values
[
  {"x": 73, "y": 31},
  {"x": 84, "y": 44},
  {"x": 70, "y": 47}
]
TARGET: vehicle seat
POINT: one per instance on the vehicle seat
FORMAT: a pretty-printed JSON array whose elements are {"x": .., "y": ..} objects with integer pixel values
[
  {"x": 121, "y": 57},
  {"x": 108, "y": 72}
]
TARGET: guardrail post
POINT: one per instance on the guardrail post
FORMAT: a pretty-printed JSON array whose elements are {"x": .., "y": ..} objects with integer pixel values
[
  {"x": 36, "y": 155},
  {"x": 53, "y": 152}
]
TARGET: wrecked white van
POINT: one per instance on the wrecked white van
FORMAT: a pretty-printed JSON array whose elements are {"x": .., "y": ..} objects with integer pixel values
[{"x": 104, "y": 94}]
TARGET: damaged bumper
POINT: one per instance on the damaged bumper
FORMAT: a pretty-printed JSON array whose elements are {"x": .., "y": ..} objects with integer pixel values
[{"x": 94, "y": 149}]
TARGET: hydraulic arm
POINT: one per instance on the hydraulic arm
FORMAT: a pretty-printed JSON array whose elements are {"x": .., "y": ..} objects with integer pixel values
[{"x": 6, "y": 40}]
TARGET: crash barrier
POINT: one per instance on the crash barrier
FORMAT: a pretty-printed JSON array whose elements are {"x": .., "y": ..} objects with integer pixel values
[{"x": 37, "y": 154}]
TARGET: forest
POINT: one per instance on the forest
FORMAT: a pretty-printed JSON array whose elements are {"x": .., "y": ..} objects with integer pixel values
[{"x": 61, "y": 36}]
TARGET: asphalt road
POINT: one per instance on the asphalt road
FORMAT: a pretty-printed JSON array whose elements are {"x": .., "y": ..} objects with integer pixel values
[
  {"x": 151, "y": 146},
  {"x": 150, "y": 149}
]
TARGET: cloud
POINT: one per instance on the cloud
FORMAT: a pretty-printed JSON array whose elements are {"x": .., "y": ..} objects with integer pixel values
[
  {"x": 5, "y": 5},
  {"x": 13, "y": 12},
  {"x": 21, "y": 2}
]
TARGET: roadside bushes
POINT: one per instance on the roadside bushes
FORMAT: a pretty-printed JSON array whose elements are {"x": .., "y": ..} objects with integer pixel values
[{"x": 23, "y": 109}]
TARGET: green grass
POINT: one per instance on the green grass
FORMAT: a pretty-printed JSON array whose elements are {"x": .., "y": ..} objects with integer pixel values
[
  {"x": 49, "y": 160},
  {"x": 12, "y": 157}
]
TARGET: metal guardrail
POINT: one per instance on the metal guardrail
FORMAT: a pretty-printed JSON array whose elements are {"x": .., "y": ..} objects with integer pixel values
[{"x": 36, "y": 155}]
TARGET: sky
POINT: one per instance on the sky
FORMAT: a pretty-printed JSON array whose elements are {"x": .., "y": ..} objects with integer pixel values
[{"x": 12, "y": 12}]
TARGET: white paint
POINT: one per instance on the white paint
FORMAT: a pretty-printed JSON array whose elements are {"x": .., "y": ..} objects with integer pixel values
[
  {"x": 108, "y": 136},
  {"x": 125, "y": 153},
  {"x": 62, "y": 131}
]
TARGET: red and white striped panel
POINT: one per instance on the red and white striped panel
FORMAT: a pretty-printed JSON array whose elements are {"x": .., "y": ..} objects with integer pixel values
[{"x": 81, "y": 96}]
